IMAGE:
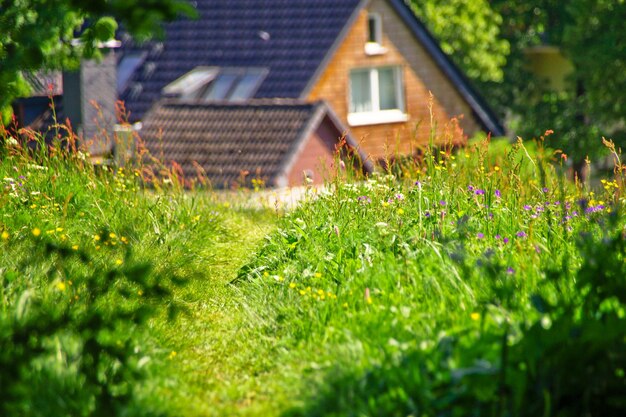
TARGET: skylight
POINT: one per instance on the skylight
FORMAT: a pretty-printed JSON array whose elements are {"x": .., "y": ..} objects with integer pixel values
[
  {"x": 127, "y": 66},
  {"x": 217, "y": 84},
  {"x": 191, "y": 83}
]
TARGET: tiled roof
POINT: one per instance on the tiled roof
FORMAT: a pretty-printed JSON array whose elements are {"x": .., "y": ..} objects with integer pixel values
[
  {"x": 289, "y": 37},
  {"x": 226, "y": 139}
]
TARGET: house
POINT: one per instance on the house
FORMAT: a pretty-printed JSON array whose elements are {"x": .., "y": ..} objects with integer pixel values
[
  {"x": 372, "y": 61},
  {"x": 368, "y": 65}
]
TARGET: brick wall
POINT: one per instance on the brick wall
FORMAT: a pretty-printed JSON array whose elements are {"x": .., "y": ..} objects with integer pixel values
[{"x": 421, "y": 76}]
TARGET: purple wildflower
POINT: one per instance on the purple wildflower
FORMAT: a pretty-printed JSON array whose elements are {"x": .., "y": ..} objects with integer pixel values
[
  {"x": 479, "y": 192},
  {"x": 364, "y": 199},
  {"x": 480, "y": 235},
  {"x": 427, "y": 214},
  {"x": 521, "y": 234},
  {"x": 399, "y": 196},
  {"x": 510, "y": 271},
  {"x": 418, "y": 184},
  {"x": 498, "y": 193},
  {"x": 470, "y": 188},
  {"x": 505, "y": 240},
  {"x": 594, "y": 209},
  {"x": 497, "y": 237},
  {"x": 545, "y": 189},
  {"x": 527, "y": 207},
  {"x": 443, "y": 203}
]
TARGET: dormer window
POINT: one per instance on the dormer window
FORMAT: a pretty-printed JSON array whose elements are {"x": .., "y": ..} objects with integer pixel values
[{"x": 374, "y": 44}]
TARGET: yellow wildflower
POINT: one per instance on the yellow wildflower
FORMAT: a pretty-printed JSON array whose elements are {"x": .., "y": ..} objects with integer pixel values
[
  {"x": 119, "y": 262},
  {"x": 475, "y": 316},
  {"x": 75, "y": 247},
  {"x": 112, "y": 235},
  {"x": 36, "y": 231},
  {"x": 292, "y": 285},
  {"x": 5, "y": 235},
  {"x": 61, "y": 286},
  {"x": 96, "y": 237}
]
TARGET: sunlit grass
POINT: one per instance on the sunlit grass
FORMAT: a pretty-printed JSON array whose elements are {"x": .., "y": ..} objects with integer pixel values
[{"x": 391, "y": 294}]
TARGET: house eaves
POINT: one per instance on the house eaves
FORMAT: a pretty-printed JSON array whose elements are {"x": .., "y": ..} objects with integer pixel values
[{"x": 331, "y": 51}]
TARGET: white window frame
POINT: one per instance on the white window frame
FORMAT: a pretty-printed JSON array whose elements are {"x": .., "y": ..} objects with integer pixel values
[{"x": 376, "y": 115}]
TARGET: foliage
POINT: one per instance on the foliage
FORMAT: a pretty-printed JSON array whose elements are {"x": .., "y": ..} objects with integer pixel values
[
  {"x": 468, "y": 284},
  {"x": 589, "y": 34},
  {"x": 40, "y": 34},
  {"x": 89, "y": 255},
  {"x": 468, "y": 31},
  {"x": 472, "y": 281}
]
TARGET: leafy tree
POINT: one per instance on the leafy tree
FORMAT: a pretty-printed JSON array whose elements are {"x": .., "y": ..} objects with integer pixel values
[
  {"x": 488, "y": 39},
  {"x": 590, "y": 34},
  {"x": 52, "y": 34},
  {"x": 468, "y": 31}
]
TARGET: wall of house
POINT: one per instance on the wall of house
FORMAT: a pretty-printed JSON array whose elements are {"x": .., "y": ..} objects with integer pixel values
[
  {"x": 421, "y": 76},
  {"x": 316, "y": 157}
]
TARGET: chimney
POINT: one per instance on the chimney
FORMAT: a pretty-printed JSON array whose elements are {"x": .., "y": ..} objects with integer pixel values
[{"x": 89, "y": 97}]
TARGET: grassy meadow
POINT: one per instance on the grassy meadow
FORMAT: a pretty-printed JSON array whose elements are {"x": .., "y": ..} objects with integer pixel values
[{"x": 475, "y": 281}]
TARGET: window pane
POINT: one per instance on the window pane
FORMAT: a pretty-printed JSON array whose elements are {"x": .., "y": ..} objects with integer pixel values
[
  {"x": 360, "y": 92},
  {"x": 220, "y": 87},
  {"x": 388, "y": 92},
  {"x": 372, "y": 29},
  {"x": 245, "y": 87}
]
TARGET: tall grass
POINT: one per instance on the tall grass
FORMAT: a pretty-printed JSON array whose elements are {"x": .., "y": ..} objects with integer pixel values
[
  {"x": 466, "y": 281},
  {"x": 459, "y": 283},
  {"x": 89, "y": 254}
]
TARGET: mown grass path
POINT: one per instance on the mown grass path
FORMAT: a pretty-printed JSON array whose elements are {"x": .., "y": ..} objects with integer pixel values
[{"x": 216, "y": 362}]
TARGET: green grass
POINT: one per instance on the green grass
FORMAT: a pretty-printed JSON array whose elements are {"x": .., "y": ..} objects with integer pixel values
[{"x": 480, "y": 282}]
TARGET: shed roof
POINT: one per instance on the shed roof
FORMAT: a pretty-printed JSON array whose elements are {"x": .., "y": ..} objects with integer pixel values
[{"x": 225, "y": 139}]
